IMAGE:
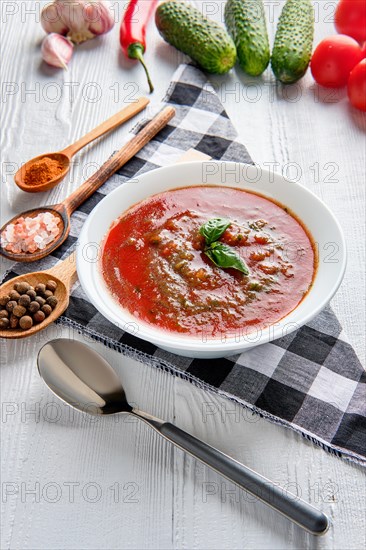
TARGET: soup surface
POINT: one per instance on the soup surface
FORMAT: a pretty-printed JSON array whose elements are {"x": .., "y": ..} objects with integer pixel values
[{"x": 154, "y": 262}]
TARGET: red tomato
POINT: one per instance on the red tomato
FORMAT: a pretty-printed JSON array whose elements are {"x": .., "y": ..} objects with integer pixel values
[
  {"x": 333, "y": 60},
  {"x": 357, "y": 86},
  {"x": 350, "y": 18}
]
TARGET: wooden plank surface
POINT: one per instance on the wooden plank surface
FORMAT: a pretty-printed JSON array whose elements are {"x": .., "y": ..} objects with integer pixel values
[{"x": 116, "y": 484}]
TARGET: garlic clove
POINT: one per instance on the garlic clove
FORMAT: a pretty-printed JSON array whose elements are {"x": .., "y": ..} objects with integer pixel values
[
  {"x": 51, "y": 19},
  {"x": 99, "y": 16},
  {"x": 57, "y": 50}
]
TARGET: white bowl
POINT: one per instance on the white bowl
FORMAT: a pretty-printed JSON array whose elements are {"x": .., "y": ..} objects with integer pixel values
[{"x": 312, "y": 211}]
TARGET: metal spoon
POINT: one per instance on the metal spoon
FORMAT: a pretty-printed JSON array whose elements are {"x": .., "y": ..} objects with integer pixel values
[
  {"x": 64, "y": 209},
  {"x": 84, "y": 380},
  {"x": 64, "y": 157}
]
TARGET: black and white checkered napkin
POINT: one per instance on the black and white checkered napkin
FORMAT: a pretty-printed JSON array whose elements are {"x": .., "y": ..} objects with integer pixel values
[{"x": 310, "y": 380}]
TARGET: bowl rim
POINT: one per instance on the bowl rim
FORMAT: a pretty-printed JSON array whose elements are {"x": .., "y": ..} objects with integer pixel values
[{"x": 184, "y": 342}]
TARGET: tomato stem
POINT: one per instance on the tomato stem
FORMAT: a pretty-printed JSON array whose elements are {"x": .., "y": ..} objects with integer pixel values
[{"x": 136, "y": 51}]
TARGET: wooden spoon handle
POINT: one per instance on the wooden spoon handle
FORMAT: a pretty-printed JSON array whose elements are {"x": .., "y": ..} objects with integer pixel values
[
  {"x": 119, "y": 159},
  {"x": 116, "y": 120},
  {"x": 65, "y": 271}
]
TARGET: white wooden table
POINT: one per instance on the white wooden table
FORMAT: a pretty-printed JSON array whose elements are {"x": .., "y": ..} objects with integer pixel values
[{"x": 69, "y": 482}]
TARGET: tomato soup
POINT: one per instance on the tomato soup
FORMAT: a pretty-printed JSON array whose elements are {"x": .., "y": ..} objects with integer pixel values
[{"x": 154, "y": 262}]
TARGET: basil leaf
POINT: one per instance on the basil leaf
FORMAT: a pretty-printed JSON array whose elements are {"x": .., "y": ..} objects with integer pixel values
[
  {"x": 213, "y": 229},
  {"x": 225, "y": 256}
]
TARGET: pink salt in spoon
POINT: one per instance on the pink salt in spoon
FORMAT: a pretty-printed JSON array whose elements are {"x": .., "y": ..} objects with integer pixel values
[{"x": 63, "y": 210}]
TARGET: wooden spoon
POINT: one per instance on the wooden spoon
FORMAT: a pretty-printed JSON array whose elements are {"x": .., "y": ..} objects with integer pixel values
[
  {"x": 64, "y": 209},
  {"x": 64, "y": 274},
  {"x": 64, "y": 157}
]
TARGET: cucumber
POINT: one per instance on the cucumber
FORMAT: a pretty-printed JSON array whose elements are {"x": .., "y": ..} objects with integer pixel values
[
  {"x": 246, "y": 22},
  {"x": 293, "y": 41},
  {"x": 205, "y": 41}
]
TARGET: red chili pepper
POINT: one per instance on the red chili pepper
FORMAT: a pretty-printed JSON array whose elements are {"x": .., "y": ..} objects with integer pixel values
[{"x": 133, "y": 31}]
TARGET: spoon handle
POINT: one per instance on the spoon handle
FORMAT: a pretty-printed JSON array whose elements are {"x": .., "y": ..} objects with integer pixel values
[
  {"x": 113, "y": 122},
  {"x": 119, "y": 159},
  {"x": 65, "y": 271},
  {"x": 293, "y": 508}
]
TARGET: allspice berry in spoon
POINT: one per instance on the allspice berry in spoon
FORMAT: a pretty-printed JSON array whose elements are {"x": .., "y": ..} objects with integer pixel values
[
  {"x": 22, "y": 287},
  {"x": 14, "y": 295},
  {"x": 4, "y": 323},
  {"x": 26, "y": 305},
  {"x": 51, "y": 285},
  {"x": 32, "y": 294},
  {"x": 19, "y": 311},
  {"x": 40, "y": 289},
  {"x": 14, "y": 321},
  {"x": 11, "y": 305},
  {"x": 52, "y": 301},
  {"x": 39, "y": 317},
  {"x": 47, "y": 310},
  {"x": 34, "y": 307},
  {"x": 26, "y": 322},
  {"x": 24, "y": 300},
  {"x": 4, "y": 300}
]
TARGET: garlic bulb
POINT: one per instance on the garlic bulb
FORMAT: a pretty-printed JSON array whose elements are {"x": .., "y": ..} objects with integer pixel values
[
  {"x": 79, "y": 20},
  {"x": 57, "y": 50}
]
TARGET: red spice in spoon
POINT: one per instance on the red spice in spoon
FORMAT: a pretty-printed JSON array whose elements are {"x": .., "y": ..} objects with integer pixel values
[{"x": 42, "y": 171}]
